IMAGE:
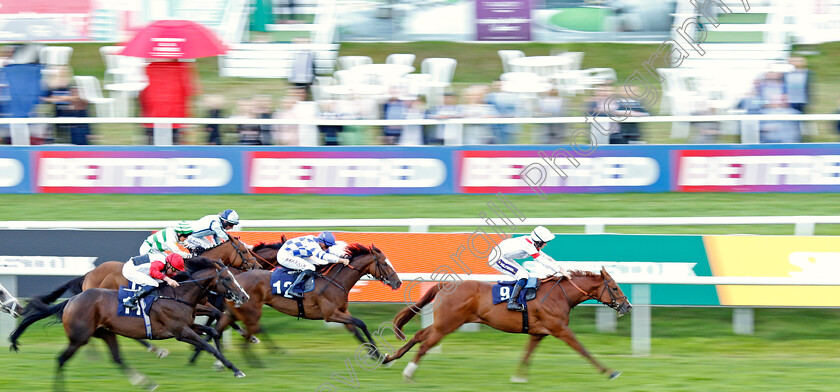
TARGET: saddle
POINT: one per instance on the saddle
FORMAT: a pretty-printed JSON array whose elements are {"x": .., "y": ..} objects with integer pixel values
[
  {"x": 283, "y": 277},
  {"x": 503, "y": 289},
  {"x": 142, "y": 311}
]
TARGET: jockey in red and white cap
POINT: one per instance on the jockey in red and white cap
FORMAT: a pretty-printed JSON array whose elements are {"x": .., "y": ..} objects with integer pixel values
[
  {"x": 511, "y": 249},
  {"x": 149, "y": 271}
]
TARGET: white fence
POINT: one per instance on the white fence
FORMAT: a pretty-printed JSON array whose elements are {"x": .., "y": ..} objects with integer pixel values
[{"x": 163, "y": 125}]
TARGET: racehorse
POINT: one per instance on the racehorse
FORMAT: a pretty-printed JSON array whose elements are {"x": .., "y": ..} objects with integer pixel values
[
  {"x": 9, "y": 303},
  {"x": 471, "y": 302},
  {"x": 108, "y": 275},
  {"x": 327, "y": 301},
  {"x": 94, "y": 313}
]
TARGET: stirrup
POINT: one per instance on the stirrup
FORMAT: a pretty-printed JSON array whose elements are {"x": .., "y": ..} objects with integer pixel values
[{"x": 515, "y": 306}]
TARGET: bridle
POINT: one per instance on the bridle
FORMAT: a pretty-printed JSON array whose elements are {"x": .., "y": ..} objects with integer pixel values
[
  {"x": 379, "y": 271},
  {"x": 242, "y": 253},
  {"x": 614, "y": 301},
  {"x": 8, "y": 305},
  {"x": 205, "y": 289}
]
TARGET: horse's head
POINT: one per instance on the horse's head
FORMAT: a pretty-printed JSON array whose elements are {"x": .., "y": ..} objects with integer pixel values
[
  {"x": 612, "y": 296},
  {"x": 220, "y": 279},
  {"x": 233, "y": 253},
  {"x": 371, "y": 261},
  {"x": 9, "y": 304}
]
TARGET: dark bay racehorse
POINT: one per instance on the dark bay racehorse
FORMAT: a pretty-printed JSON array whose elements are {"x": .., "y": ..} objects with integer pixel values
[
  {"x": 94, "y": 313},
  {"x": 9, "y": 303},
  {"x": 548, "y": 314},
  {"x": 108, "y": 275},
  {"x": 327, "y": 301}
]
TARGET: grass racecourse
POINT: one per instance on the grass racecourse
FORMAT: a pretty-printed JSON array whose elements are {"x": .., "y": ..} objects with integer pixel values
[{"x": 693, "y": 349}]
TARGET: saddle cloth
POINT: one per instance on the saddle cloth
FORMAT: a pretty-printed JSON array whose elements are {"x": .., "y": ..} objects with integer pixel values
[
  {"x": 503, "y": 290},
  {"x": 282, "y": 278}
]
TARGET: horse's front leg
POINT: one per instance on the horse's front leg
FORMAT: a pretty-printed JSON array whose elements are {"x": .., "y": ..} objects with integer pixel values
[
  {"x": 565, "y": 334},
  {"x": 159, "y": 352},
  {"x": 347, "y": 319},
  {"x": 188, "y": 335}
]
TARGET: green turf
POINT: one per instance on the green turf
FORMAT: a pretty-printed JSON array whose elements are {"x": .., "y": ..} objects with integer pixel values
[
  {"x": 742, "y": 18},
  {"x": 175, "y": 207},
  {"x": 581, "y": 19},
  {"x": 692, "y": 350}
]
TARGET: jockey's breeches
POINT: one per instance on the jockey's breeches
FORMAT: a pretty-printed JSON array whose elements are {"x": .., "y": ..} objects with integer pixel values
[
  {"x": 130, "y": 271},
  {"x": 510, "y": 268},
  {"x": 289, "y": 260}
]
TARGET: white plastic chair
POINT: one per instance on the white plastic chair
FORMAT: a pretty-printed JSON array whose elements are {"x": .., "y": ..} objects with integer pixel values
[
  {"x": 122, "y": 69},
  {"x": 90, "y": 91},
  {"x": 347, "y": 62},
  {"x": 401, "y": 58},
  {"x": 441, "y": 69},
  {"x": 55, "y": 55},
  {"x": 522, "y": 77},
  {"x": 348, "y": 77},
  {"x": 577, "y": 60},
  {"x": 508, "y": 55}
]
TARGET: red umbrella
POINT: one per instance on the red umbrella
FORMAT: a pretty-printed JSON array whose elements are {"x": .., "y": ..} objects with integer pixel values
[{"x": 174, "y": 39}]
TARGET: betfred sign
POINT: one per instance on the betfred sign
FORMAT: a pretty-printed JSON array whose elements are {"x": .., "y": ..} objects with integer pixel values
[
  {"x": 349, "y": 172},
  {"x": 132, "y": 172},
  {"x": 758, "y": 170}
]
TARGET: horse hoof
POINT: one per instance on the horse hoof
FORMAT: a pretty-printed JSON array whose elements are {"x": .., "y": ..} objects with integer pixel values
[
  {"x": 152, "y": 387},
  {"x": 162, "y": 353},
  {"x": 614, "y": 374},
  {"x": 238, "y": 374},
  {"x": 255, "y": 340},
  {"x": 136, "y": 379},
  {"x": 408, "y": 379},
  {"x": 388, "y": 364},
  {"x": 518, "y": 379},
  {"x": 218, "y": 366}
]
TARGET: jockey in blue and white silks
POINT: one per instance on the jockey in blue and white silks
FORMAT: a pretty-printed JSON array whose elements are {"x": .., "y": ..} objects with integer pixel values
[
  {"x": 519, "y": 248},
  {"x": 303, "y": 253},
  {"x": 210, "y": 230}
]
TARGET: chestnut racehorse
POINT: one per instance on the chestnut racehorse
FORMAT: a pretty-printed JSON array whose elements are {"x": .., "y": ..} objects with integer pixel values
[
  {"x": 471, "y": 302},
  {"x": 94, "y": 313}
]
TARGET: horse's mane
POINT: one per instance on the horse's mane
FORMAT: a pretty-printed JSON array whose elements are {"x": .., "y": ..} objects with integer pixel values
[
  {"x": 198, "y": 263},
  {"x": 575, "y": 273},
  {"x": 356, "y": 249},
  {"x": 263, "y": 245}
]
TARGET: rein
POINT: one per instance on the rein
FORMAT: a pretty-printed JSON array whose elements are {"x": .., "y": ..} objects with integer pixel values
[{"x": 242, "y": 256}]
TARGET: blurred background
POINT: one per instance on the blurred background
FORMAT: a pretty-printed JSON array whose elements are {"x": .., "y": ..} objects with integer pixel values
[{"x": 688, "y": 147}]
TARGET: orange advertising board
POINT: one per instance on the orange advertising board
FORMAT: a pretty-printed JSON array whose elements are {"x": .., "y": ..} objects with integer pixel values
[{"x": 442, "y": 253}]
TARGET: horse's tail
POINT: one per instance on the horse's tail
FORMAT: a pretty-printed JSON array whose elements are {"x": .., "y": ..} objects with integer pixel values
[
  {"x": 408, "y": 313},
  {"x": 36, "y": 315},
  {"x": 41, "y": 302}
]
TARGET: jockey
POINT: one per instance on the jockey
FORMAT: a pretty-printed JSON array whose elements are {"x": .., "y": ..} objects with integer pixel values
[
  {"x": 166, "y": 241},
  {"x": 303, "y": 253},
  {"x": 210, "y": 230},
  {"x": 520, "y": 247},
  {"x": 148, "y": 271}
]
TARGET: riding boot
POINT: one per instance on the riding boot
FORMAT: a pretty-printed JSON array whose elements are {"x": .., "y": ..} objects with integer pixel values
[
  {"x": 131, "y": 302},
  {"x": 513, "y": 304},
  {"x": 300, "y": 280}
]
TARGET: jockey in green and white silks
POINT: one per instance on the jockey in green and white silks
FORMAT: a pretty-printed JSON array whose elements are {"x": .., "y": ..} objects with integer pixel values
[
  {"x": 167, "y": 240},
  {"x": 514, "y": 248},
  {"x": 303, "y": 253},
  {"x": 210, "y": 230}
]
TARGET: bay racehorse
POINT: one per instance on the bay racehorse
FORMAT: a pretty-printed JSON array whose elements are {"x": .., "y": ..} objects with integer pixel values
[
  {"x": 108, "y": 275},
  {"x": 548, "y": 314},
  {"x": 327, "y": 301},
  {"x": 8, "y": 303},
  {"x": 94, "y": 313}
]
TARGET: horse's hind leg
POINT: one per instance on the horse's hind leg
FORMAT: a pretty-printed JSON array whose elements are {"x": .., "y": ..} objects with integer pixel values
[
  {"x": 160, "y": 352},
  {"x": 521, "y": 375},
  {"x": 417, "y": 338},
  {"x": 135, "y": 377}
]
